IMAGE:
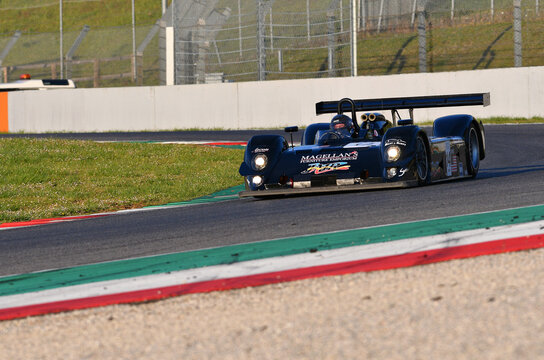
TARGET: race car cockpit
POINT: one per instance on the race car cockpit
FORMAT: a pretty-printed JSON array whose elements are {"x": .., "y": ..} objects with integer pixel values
[
  {"x": 341, "y": 128},
  {"x": 343, "y": 125}
]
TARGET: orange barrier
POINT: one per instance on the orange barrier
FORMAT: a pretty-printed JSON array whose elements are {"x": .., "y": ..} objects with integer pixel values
[{"x": 4, "y": 125}]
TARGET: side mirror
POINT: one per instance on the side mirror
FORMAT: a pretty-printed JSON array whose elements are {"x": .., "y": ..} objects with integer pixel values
[
  {"x": 405, "y": 122},
  {"x": 291, "y": 130}
]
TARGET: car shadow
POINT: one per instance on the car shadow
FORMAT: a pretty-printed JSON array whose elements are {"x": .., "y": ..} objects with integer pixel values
[{"x": 508, "y": 171}]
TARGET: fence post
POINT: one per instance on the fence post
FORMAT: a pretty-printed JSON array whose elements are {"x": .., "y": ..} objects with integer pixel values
[
  {"x": 134, "y": 75},
  {"x": 5, "y": 74},
  {"x": 261, "y": 51},
  {"x": 380, "y": 16},
  {"x": 363, "y": 15},
  {"x": 202, "y": 48},
  {"x": 353, "y": 28},
  {"x": 240, "y": 28},
  {"x": 517, "y": 33},
  {"x": 308, "y": 18},
  {"x": 61, "y": 41},
  {"x": 271, "y": 32},
  {"x": 54, "y": 71},
  {"x": 133, "y": 67},
  {"x": 96, "y": 75},
  {"x": 492, "y": 10},
  {"x": 68, "y": 66},
  {"x": 341, "y": 8},
  {"x": 140, "y": 69},
  {"x": 422, "y": 36},
  {"x": 331, "y": 41},
  {"x": 413, "y": 13}
]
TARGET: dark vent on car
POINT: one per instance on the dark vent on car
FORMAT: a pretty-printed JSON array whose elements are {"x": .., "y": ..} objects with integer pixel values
[
  {"x": 58, "y": 82},
  {"x": 323, "y": 180}
]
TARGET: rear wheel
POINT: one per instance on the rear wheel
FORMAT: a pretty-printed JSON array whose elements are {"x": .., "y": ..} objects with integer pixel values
[
  {"x": 422, "y": 162},
  {"x": 472, "y": 151}
]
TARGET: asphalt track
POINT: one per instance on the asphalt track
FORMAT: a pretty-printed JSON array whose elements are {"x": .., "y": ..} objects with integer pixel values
[{"x": 511, "y": 176}]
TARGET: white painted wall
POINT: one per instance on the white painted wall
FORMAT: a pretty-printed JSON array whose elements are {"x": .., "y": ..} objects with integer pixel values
[
  {"x": 170, "y": 57},
  {"x": 515, "y": 92}
]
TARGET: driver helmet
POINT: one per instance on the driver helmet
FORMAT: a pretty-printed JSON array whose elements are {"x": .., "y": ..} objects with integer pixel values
[{"x": 342, "y": 124}]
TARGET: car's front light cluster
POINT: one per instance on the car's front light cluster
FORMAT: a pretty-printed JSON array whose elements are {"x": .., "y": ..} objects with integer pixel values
[
  {"x": 259, "y": 162},
  {"x": 392, "y": 153},
  {"x": 257, "y": 180},
  {"x": 391, "y": 172}
]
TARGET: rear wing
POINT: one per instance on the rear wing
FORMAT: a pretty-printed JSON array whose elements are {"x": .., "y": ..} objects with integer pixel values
[{"x": 402, "y": 103}]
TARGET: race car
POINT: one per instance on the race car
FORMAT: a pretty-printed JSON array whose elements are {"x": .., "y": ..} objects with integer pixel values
[
  {"x": 26, "y": 83},
  {"x": 343, "y": 155}
]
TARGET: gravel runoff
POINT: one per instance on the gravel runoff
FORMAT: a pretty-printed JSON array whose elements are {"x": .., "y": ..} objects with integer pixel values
[{"x": 490, "y": 307}]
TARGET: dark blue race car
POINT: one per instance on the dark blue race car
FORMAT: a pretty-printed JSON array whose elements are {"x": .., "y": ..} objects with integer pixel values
[{"x": 377, "y": 153}]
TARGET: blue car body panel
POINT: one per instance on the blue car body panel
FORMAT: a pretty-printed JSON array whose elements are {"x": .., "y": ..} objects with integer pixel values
[{"x": 378, "y": 154}]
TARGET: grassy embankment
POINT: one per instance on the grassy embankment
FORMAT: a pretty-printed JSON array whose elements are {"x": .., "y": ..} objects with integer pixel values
[
  {"x": 39, "y": 16},
  {"x": 471, "y": 41},
  {"x": 110, "y": 35},
  {"x": 55, "y": 178}
]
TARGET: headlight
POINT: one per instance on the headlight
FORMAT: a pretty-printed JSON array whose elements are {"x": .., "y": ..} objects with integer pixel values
[
  {"x": 259, "y": 162},
  {"x": 391, "y": 172},
  {"x": 393, "y": 153},
  {"x": 257, "y": 180}
]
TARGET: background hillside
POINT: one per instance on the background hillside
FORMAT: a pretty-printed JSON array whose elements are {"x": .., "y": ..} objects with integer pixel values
[{"x": 472, "y": 37}]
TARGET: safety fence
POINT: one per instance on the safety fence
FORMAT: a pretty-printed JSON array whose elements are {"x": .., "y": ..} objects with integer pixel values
[{"x": 246, "y": 40}]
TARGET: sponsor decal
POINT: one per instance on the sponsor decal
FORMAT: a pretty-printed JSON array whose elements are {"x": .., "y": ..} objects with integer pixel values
[
  {"x": 260, "y": 150},
  {"x": 399, "y": 142},
  {"x": 318, "y": 168},
  {"x": 454, "y": 168},
  {"x": 402, "y": 172},
  {"x": 329, "y": 157},
  {"x": 448, "y": 158},
  {"x": 437, "y": 170},
  {"x": 365, "y": 144}
]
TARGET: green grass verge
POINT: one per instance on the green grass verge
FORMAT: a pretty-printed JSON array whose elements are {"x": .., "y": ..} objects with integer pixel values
[
  {"x": 517, "y": 120},
  {"x": 53, "y": 178},
  {"x": 501, "y": 120},
  {"x": 44, "y": 178}
]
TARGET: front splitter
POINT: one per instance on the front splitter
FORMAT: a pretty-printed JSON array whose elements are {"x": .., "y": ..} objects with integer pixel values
[{"x": 327, "y": 189}]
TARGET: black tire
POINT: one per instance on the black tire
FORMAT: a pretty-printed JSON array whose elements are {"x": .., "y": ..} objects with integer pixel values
[
  {"x": 472, "y": 151},
  {"x": 423, "y": 162}
]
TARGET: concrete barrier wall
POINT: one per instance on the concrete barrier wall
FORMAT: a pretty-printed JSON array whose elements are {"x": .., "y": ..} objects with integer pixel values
[{"x": 515, "y": 92}]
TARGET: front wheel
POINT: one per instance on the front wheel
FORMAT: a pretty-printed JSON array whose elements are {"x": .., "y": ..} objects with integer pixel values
[
  {"x": 422, "y": 162},
  {"x": 472, "y": 151}
]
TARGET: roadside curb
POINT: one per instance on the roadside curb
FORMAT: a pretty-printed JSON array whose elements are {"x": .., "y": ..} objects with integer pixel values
[{"x": 272, "y": 261}]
